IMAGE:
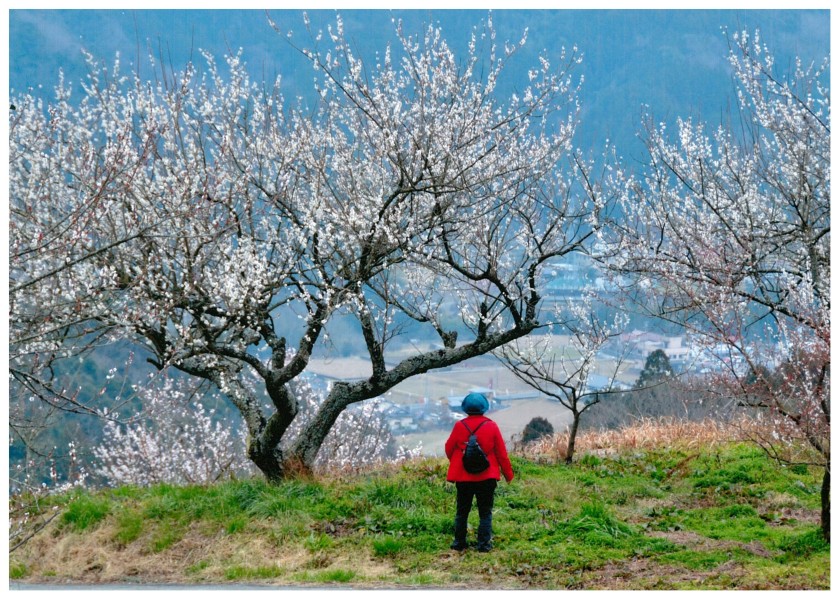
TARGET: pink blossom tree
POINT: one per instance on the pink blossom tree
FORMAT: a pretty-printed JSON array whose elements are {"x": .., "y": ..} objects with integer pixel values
[
  {"x": 728, "y": 233},
  {"x": 175, "y": 439},
  {"x": 407, "y": 192}
]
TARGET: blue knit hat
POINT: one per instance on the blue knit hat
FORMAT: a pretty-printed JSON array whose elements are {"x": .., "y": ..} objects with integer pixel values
[{"x": 475, "y": 404}]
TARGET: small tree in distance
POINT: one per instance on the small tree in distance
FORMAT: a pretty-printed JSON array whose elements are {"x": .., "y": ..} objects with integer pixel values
[
  {"x": 563, "y": 371},
  {"x": 538, "y": 427},
  {"x": 656, "y": 370}
]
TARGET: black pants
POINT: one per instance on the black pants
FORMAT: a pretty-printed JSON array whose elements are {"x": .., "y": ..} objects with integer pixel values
[{"x": 483, "y": 491}]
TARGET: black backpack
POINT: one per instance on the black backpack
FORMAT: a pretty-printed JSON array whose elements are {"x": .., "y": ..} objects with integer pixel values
[{"x": 475, "y": 461}]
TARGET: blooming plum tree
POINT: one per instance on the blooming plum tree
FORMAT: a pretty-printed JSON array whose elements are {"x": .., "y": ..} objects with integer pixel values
[
  {"x": 728, "y": 234},
  {"x": 67, "y": 167},
  {"x": 407, "y": 192},
  {"x": 178, "y": 439}
]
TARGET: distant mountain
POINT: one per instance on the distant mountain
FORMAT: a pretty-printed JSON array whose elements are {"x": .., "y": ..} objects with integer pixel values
[{"x": 673, "y": 61}]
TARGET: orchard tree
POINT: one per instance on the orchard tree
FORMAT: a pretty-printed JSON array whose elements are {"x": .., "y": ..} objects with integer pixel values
[
  {"x": 561, "y": 369},
  {"x": 179, "y": 438},
  {"x": 407, "y": 191},
  {"x": 175, "y": 440},
  {"x": 729, "y": 233}
]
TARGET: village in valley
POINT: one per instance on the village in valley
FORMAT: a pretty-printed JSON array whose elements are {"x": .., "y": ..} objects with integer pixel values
[{"x": 423, "y": 408}]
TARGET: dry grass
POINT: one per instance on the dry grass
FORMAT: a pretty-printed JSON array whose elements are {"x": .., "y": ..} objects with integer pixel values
[
  {"x": 199, "y": 556},
  {"x": 646, "y": 434}
]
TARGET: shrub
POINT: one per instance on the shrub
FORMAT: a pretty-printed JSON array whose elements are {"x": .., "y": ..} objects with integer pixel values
[
  {"x": 537, "y": 428},
  {"x": 174, "y": 440}
]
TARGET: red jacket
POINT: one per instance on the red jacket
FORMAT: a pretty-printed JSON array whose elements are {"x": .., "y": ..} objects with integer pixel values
[{"x": 489, "y": 438}]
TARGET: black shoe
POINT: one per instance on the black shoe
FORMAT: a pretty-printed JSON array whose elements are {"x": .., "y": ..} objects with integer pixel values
[
  {"x": 459, "y": 546},
  {"x": 485, "y": 547}
]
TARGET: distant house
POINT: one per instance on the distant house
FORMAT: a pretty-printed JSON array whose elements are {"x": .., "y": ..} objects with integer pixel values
[
  {"x": 571, "y": 278},
  {"x": 643, "y": 343}
]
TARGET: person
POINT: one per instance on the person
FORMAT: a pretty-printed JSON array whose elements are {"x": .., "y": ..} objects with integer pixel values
[{"x": 481, "y": 486}]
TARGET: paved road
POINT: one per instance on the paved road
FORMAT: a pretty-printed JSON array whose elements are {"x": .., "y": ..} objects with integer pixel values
[
  {"x": 146, "y": 587},
  {"x": 34, "y": 590}
]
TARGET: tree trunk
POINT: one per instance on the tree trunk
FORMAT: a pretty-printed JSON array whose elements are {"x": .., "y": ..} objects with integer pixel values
[
  {"x": 277, "y": 467},
  {"x": 825, "y": 498},
  {"x": 570, "y": 448},
  {"x": 298, "y": 460},
  {"x": 343, "y": 394},
  {"x": 308, "y": 444},
  {"x": 269, "y": 461}
]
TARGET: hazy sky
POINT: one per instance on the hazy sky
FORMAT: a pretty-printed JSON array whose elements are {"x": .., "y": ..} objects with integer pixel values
[{"x": 673, "y": 61}]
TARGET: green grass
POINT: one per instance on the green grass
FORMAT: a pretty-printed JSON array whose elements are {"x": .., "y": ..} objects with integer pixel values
[
  {"x": 329, "y": 576},
  {"x": 243, "y": 573},
  {"x": 17, "y": 570},
  {"x": 723, "y": 519},
  {"x": 696, "y": 560},
  {"x": 388, "y": 546},
  {"x": 317, "y": 543},
  {"x": 129, "y": 526},
  {"x": 198, "y": 567},
  {"x": 801, "y": 545},
  {"x": 165, "y": 537},
  {"x": 85, "y": 512}
]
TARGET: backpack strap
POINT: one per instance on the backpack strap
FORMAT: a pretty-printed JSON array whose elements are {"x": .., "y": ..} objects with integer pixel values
[{"x": 472, "y": 431}]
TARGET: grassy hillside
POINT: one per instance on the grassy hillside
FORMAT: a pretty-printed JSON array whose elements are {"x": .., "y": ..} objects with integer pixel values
[{"x": 675, "y": 516}]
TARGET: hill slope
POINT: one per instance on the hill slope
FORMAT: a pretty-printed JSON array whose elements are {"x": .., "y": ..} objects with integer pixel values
[{"x": 718, "y": 517}]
